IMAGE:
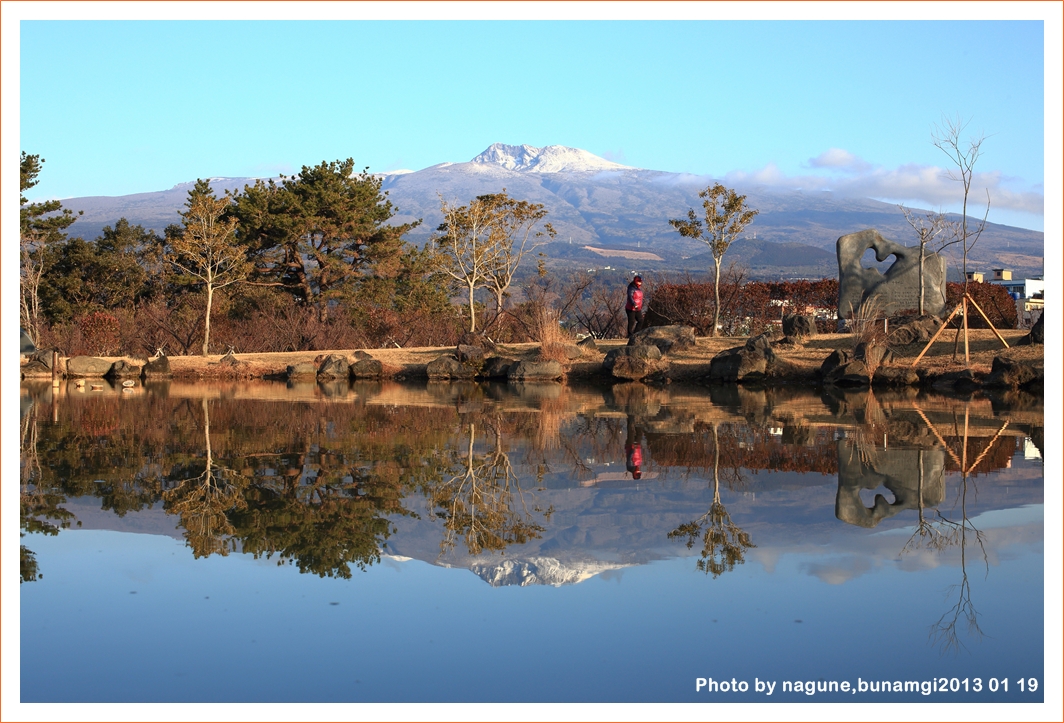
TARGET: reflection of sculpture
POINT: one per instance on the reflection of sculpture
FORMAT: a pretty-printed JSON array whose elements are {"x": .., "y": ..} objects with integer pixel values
[
  {"x": 899, "y": 287},
  {"x": 915, "y": 477}
]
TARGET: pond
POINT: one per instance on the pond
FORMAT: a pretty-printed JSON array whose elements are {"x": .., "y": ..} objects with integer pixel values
[{"x": 379, "y": 542}]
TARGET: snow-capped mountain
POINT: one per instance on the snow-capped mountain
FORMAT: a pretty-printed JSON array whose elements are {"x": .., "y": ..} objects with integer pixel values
[
  {"x": 608, "y": 214},
  {"x": 549, "y": 159}
]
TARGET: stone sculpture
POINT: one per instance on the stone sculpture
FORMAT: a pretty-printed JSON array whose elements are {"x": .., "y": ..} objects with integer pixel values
[{"x": 899, "y": 287}]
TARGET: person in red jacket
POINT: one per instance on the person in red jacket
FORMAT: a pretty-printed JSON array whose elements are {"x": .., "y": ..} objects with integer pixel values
[{"x": 633, "y": 307}]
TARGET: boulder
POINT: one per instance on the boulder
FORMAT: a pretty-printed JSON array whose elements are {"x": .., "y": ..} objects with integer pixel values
[
  {"x": 524, "y": 371},
  {"x": 762, "y": 343},
  {"x": 121, "y": 369},
  {"x": 872, "y": 354},
  {"x": 448, "y": 367},
  {"x": 87, "y": 366},
  {"x": 918, "y": 330},
  {"x": 564, "y": 349},
  {"x": 473, "y": 339},
  {"x": 587, "y": 343},
  {"x": 302, "y": 370},
  {"x": 35, "y": 369},
  {"x": 738, "y": 364},
  {"x": 497, "y": 367},
  {"x": 895, "y": 377},
  {"x": 634, "y": 362},
  {"x": 361, "y": 355},
  {"x": 366, "y": 369},
  {"x": 156, "y": 368},
  {"x": 851, "y": 374},
  {"x": 1006, "y": 372},
  {"x": 334, "y": 366},
  {"x": 667, "y": 339},
  {"x": 1037, "y": 333},
  {"x": 797, "y": 326},
  {"x": 467, "y": 353},
  {"x": 835, "y": 359},
  {"x": 44, "y": 356}
]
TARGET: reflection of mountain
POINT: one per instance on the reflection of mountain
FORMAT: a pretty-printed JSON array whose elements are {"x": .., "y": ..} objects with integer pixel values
[{"x": 538, "y": 571}]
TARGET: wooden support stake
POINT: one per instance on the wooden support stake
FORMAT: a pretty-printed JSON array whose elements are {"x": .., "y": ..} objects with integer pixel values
[
  {"x": 988, "y": 322},
  {"x": 937, "y": 334},
  {"x": 964, "y": 302}
]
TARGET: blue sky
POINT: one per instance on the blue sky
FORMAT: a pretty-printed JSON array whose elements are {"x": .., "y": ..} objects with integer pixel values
[{"x": 126, "y": 106}]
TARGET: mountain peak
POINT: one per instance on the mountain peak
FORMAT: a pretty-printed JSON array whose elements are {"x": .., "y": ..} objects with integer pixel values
[{"x": 549, "y": 159}]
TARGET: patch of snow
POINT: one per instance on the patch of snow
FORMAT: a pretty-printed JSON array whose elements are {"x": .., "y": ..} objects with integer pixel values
[{"x": 549, "y": 159}]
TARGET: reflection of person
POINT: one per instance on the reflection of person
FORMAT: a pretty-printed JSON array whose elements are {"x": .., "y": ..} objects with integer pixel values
[
  {"x": 633, "y": 451},
  {"x": 633, "y": 306}
]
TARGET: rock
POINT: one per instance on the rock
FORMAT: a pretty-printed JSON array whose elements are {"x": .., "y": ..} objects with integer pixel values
[
  {"x": 569, "y": 351},
  {"x": 302, "y": 370},
  {"x": 497, "y": 367},
  {"x": 787, "y": 342},
  {"x": 448, "y": 367},
  {"x": 895, "y": 377},
  {"x": 467, "y": 353},
  {"x": 35, "y": 369},
  {"x": 915, "y": 330},
  {"x": 851, "y": 374},
  {"x": 872, "y": 354},
  {"x": 87, "y": 366},
  {"x": 634, "y": 362},
  {"x": 123, "y": 370},
  {"x": 334, "y": 366},
  {"x": 762, "y": 343},
  {"x": 800, "y": 435},
  {"x": 1006, "y": 372},
  {"x": 156, "y": 368},
  {"x": 366, "y": 369},
  {"x": 738, "y": 364},
  {"x": 44, "y": 356},
  {"x": 964, "y": 380},
  {"x": 587, "y": 343},
  {"x": 535, "y": 371},
  {"x": 835, "y": 359},
  {"x": 667, "y": 339},
  {"x": 361, "y": 355},
  {"x": 895, "y": 289},
  {"x": 798, "y": 326},
  {"x": 1037, "y": 333}
]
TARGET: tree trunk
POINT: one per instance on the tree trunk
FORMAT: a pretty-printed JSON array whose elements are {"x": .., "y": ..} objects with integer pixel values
[
  {"x": 923, "y": 245},
  {"x": 207, "y": 318},
  {"x": 716, "y": 295},
  {"x": 472, "y": 311}
]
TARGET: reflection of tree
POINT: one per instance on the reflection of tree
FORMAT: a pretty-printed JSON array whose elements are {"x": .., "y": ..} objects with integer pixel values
[
  {"x": 724, "y": 543},
  {"x": 482, "y": 501},
  {"x": 39, "y": 510},
  {"x": 203, "y": 502},
  {"x": 941, "y": 533}
]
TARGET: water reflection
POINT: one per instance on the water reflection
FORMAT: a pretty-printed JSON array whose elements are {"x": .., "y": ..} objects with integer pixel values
[{"x": 332, "y": 479}]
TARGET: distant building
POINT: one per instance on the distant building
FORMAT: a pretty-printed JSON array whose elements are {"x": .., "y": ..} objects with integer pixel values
[{"x": 1029, "y": 294}]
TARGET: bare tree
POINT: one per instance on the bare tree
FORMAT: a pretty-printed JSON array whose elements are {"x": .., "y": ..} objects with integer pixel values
[
  {"x": 464, "y": 247},
  {"x": 206, "y": 250},
  {"x": 726, "y": 215},
  {"x": 929, "y": 227},
  {"x": 513, "y": 224},
  {"x": 947, "y": 138}
]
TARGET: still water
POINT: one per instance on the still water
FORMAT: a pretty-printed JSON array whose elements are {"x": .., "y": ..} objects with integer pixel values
[{"x": 473, "y": 543}]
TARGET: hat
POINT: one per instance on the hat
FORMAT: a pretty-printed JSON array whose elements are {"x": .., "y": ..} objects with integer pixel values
[{"x": 637, "y": 277}]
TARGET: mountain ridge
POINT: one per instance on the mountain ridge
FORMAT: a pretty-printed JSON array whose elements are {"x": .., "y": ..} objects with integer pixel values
[{"x": 596, "y": 202}]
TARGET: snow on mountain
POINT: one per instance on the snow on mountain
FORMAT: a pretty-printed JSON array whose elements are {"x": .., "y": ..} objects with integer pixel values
[
  {"x": 549, "y": 159},
  {"x": 540, "y": 571}
]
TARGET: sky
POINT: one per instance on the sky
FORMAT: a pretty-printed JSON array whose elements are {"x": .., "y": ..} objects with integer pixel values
[{"x": 150, "y": 98}]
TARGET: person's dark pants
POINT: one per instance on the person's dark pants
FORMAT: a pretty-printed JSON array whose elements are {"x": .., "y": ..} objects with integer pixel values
[{"x": 635, "y": 320}]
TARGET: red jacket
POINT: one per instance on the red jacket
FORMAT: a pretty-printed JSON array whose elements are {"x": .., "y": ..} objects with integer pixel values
[{"x": 635, "y": 298}]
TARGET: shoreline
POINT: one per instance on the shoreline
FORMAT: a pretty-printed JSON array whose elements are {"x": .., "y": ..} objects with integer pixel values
[{"x": 798, "y": 363}]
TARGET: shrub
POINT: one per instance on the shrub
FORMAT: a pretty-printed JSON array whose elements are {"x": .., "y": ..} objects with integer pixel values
[{"x": 993, "y": 299}]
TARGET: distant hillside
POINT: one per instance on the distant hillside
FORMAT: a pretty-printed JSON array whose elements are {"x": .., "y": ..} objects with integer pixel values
[{"x": 597, "y": 203}]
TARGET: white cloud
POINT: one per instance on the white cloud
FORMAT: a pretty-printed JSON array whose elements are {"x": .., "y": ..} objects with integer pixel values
[{"x": 849, "y": 175}]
